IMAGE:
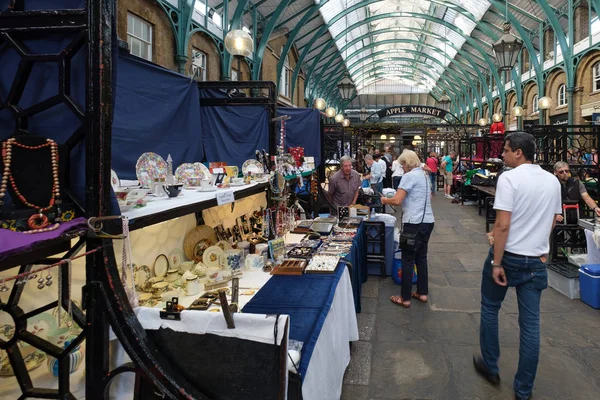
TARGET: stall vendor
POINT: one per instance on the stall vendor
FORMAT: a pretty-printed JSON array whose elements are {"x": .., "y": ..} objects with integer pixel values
[
  {"x": 344, "y": 185},
  {"x": 572, "y": 189}
]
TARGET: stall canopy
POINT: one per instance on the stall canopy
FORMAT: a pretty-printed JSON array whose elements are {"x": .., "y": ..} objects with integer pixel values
[{"x": 303, "y": 129}]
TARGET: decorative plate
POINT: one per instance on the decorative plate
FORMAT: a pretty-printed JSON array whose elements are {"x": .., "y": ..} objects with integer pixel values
[
  {"x": 32, "y": 361},
  {"x": 224, "y": 245},
  {"x": 176, "y": 257},
  {"x": 161, "y": 266},
  {"x": 186, "y": 171},
  {"x": 115, "y": 182},
  {"x": 141, "y": 275},
  {"x": 252, "y": 166},
  {"x": 203, "y": 236},
  {"x": 210, "y": 258},
  {"x": 41, "y": 324},
  {"x": 149, "y": 167},
  {"x": 205, "y": 171},
  {"x": 238, "y": 184},
  {"x": 210, "y": 189}
]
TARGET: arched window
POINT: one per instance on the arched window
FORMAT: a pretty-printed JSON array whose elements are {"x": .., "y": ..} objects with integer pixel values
[
  {"x": 562, "y": 95},
  {"x": 596, "y": 77},
  {"x": 534, "y": 104},
  {"x": 284, "y": 81}
]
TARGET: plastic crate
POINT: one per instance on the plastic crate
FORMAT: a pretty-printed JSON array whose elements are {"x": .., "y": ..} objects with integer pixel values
[
  {"x": 589, "y": 276},
  {"x": 564, "y": 278}
]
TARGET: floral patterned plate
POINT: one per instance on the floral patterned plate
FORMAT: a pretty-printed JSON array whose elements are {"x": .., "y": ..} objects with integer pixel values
[
  {"x": 114, "y": 181},
  {"x": 32, "y": 360},
  {"x": 149, "y": 167},
  {"x": 252, "y": 166},
  {"x": 141, "y": 275},
  {"x": 41, "y": 324},
  {"x": 205, "y": 171},
  {"x": 161, "y": 266},
  {"x": 185, "y": 171},
  {"x": 176, "y": 257}
]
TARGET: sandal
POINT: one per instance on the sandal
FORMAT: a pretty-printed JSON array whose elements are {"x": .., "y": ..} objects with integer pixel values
[
  {"x": 421, "y": 298},
  {"x": 398, "y": 300}
]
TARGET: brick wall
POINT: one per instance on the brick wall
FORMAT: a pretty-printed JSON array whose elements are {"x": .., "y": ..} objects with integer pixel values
[
  {"x": 202, "y": 42},
  {"x": 163, "y": 40},
  {"x": 584, "y": 78},
  {"x": 554, "y": 81}
]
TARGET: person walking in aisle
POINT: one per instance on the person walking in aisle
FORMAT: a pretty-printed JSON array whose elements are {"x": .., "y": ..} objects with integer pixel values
[
  {"x": 432, "y": 164},
  {"x": 447, "y": 167},
  {"x": 417, "y": 217},
  {"x": 527, "y": 201}
]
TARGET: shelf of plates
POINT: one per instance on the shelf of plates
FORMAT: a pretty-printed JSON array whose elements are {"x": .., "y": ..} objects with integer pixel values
[{"x": 167, "y": 209}]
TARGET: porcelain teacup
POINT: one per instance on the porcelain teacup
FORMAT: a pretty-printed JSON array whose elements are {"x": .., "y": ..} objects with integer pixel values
[
  {"x": 172, "y": 190},
  {"x": 255, "y": 261},
  {"x": 205, "y": 184}
]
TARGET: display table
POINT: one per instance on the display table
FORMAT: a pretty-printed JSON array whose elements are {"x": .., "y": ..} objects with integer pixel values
[{"x": 323, "y": 317}]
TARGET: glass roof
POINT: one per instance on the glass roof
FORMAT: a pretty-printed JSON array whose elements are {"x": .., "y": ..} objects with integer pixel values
[{"x": 406, "y": 43}]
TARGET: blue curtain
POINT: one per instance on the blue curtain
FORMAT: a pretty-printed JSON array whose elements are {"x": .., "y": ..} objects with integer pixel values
[
  {"x": 233, "y": 133},
  {"x": 303, "y": 129},
  {"x": 155, "y": 110}
]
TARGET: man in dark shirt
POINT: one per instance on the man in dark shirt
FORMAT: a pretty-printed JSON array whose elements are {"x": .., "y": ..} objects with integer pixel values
[
  {"x": 572, "y": 189},
  {"x": 344, "y": 184}
]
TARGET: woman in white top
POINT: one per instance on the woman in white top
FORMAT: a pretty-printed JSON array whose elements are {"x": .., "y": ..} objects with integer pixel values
[
  {"x": 414, "y": 195},
  {"x": 397, "y": 172}
]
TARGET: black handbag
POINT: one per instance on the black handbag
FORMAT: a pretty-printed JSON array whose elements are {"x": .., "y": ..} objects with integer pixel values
[{"x": 409, "y": 241}]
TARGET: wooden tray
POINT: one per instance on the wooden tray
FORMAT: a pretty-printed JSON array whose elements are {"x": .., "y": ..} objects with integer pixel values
[{"x": 290, "y": 267}]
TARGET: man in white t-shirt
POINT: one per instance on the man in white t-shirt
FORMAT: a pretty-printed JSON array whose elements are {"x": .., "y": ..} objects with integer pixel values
[{"x": 526, "y": 203}]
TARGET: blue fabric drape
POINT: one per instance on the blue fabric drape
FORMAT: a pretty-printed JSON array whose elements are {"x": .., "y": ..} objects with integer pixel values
[
  {"x": 233, "y": 133},
  {"x": 306, "y": 299},
  {"x": 303, "y": 129},
  {"x": 155, "y": 110}
]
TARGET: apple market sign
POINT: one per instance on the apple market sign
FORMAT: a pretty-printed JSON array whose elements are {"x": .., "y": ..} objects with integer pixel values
[{"x": 423, "y": 110}]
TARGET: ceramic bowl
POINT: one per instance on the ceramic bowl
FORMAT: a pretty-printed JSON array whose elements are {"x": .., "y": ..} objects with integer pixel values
[
  {"x": 160, "y": 287},
  {"x": 186, "y": 266}
]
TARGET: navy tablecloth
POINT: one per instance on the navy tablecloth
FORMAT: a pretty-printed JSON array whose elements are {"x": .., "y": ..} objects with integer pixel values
[{"x": 306, "y": 299}]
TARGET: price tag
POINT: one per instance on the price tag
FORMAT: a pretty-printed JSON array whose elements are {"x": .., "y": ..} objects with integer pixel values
[
  {"x": 225, "y": 197},
  {"x": 218, "y": 171}
]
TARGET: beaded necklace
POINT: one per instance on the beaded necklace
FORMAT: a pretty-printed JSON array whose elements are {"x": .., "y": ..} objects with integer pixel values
[{"x": 37, "y": 222}]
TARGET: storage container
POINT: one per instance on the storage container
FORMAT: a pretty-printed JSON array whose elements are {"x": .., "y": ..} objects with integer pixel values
[
  {"x": 564, "y": 277},
  {"x": 589, "y": 280},
  {"x": 397, "y": 269}
]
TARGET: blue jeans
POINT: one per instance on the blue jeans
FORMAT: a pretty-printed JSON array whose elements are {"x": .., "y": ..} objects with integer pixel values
[
  {"x": 529, "y": 276},
  {"x": 432, "y": 177},
  {"x": 417, "y": 257}
]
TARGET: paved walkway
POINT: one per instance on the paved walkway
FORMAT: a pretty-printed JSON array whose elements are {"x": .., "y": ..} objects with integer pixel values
[{"x": 425, "y": 352}]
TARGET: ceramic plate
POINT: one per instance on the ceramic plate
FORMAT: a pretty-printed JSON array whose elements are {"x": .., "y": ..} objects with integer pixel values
[
  {"x": 149, "y": 167},
  {"x": 252, "y": 166},
  {"x": 237, "y": 184},
  {"x": 176, "y": 257},
  {"x": 205, "y": 172},
  {"x": 186, "y": 171},
  {"x": 114, "y": 181},
  {"x": 141, "y": 275},
  {"x": 210, "y": 189},
  {"x": 41, "y": 324},
  {"x": 161, "y": 266},
  {"x": 210, "y": 258},
  {"x": 223, "y": 244},
  {"x": 197, "y": 240},
  {"x": 32, "y": 361}
]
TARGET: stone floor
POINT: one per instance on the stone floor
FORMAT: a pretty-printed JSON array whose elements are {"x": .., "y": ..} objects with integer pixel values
[{"x": 425, "y": 352}]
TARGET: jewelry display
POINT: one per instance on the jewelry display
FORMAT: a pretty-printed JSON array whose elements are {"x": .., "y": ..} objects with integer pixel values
[
  {"x": 322, "y": 264},
  {"x": 37, "y": 222},
  {"x": 49, "y": 279}
]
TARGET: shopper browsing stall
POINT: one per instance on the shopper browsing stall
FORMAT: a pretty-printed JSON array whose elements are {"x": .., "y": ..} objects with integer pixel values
[
  {"x": 417, "y": 224},
  {"x": 397, "y": 172},
  {"x": 375, "y": 177},
  {"x": 344, "y": 185}
]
